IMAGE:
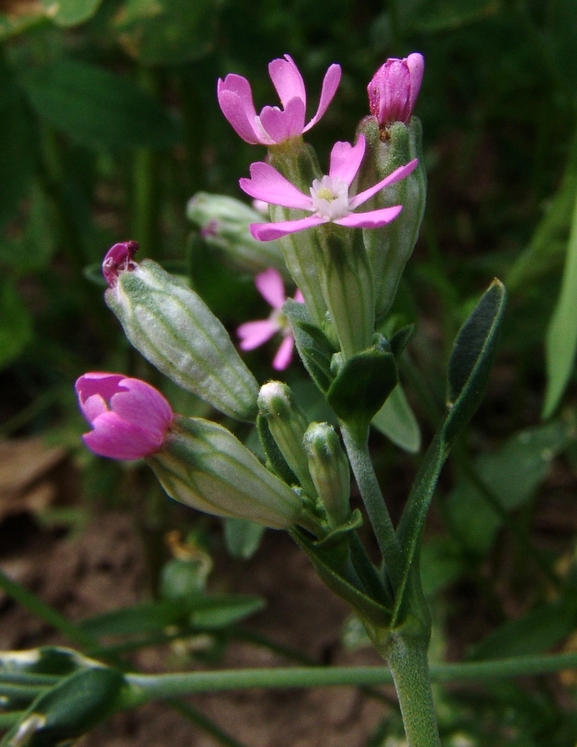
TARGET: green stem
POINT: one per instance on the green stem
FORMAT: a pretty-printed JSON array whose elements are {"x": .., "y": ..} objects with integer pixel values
[
  {"x": 362, "y": 466},
  {"x": 149, "y": 686},
  {"x": 145, "y": 197},
  {"x": 44, "y": 611},
  {"x": 407, "y": 660}
]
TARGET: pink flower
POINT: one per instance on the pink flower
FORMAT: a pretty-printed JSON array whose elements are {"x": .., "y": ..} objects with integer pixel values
[
  {"x": 119, "y": 258},
  {"x": 329, "y": 197},
  {"x": 253, "y": 334},
  {"x": 394, "y": 89},
  {"x": 274, "y": 125},
  {"x": 129, "y": 418}
]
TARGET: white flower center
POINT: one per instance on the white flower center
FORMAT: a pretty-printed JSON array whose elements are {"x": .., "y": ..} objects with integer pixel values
[
  {"x": 330, "y": 198},
  {"x": 280, "y": 321}
]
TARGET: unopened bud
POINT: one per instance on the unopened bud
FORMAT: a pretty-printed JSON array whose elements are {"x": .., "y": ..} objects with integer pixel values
[
  {"x": 330, "y": 472},
  {"x": 204, "y": 466},
  {"x": 287, "y": 424},
  {"x": 223, "y": 223},
  {"x": 172, "y": 327},
  {"x": 394, "y": 89}
]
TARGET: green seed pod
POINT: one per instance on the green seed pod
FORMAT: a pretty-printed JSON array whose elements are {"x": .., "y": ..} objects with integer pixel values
[
  {"x": 172, "y": 327},
  {"x": 298, "y": 163},
  {"x": 390, "y": 247},
  {"x": 287, "y": 424},
  {"x": 204, "y": 466},
  {"x": 223, "y": 223},
  {"x": 329, "y": 469}
]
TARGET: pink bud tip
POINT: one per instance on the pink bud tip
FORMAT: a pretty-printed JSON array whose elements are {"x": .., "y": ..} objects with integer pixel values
[
  {"x": 394, "y": 89},
  {"x": 129, "y": 418},
  {"x": 119, "y": 258}
]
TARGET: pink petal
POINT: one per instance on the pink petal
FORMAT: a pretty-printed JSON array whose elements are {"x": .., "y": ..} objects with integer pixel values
[
  {"x": 395, "y": 104},
  {"x": 118, "y": 439},
  {"x": 94, "y": 406},
  {"x": 346, "y": 160},
  {"x": 330, "y": 84},
  {"x": 416, "y": 65},
  {"x": 235, "y": 100},
  {"x": 98, "y": 382},
  {"x": 281, "y": 125},
  {"x": 396, "y": 176},
  {"x": 253, "y": 334},
  {"x": 267, "y": 184},
  {"x": 142, "y": 405},
  {"x": 284, "y": 354},
  {"x": 298, "y": 297},
  {"x": 287, "y": 80},
  {"x": 370, "y": 219},
  {"x": 271, "y": 231},
  {"x": 271, "y": 287}
]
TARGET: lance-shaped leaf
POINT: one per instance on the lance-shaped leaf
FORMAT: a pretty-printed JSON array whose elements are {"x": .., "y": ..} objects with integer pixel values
[
  {"x": 347, "y": 577},
  {"x": 363, "y": 383},
  {"x": 469, "y": 369},
  {"x": 313, "y": 347},
  {"x": 69, "y": 709}
]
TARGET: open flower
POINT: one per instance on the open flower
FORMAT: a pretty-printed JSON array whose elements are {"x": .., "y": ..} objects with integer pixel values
[
  {"x": 274, "y": 125},
  {"x": 129, "y": 418},
  {"x": 271, "y": 287},
  {"x": 329, "y": 198},
  {"x": 394, "y": 89}
]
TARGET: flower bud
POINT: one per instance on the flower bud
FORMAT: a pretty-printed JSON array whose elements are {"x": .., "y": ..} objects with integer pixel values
[
  {"x": 287, "y": 424},
  {"x": 390, "y": 247},
  {"x": 223, "y": 223},
  {"x": 172, "y": 327},
  {"x": 394, "y": 89},
  {"x": 329, "y": 469},
  {"x": 204, "y": 466},
  {"x": 129, "y": 418}
]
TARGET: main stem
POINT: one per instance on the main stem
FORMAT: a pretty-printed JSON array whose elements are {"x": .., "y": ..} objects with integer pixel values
[{"x": 407, "y": 660}]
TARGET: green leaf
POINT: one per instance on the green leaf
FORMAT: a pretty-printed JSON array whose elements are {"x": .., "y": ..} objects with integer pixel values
[
  {"x": 12, "y": 25},
  {"x": 229, "y": 610},
  {"x": 538, "y": 630},
  {"x": 561, "y": 341},
  {"x": 69, "y": 709},
  {"x": 334, "y": 567},
  {"x": 401, "y": 338},
  {"x": 70, "y": 12},
  {"x": 315, "y": 350},
  {"x": 363, "y": 383},
  {"x": 17, "y": 148},
  {"x": 469, "y": 368},
  {"x": 211, "y": 610},
  {"x": 442, "y": 15},
  {"x": 511, "y": 474},
  {"x": 167, "y": 32},
  {"x": 396, "y": 421},
  {"x": 15, "y": 323},
  {"x": 34, "y": 246},
  {"x": 471, "y": 359},
  {"x": 242, "y": 537},
  {"x": 96, "y": 107}
]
